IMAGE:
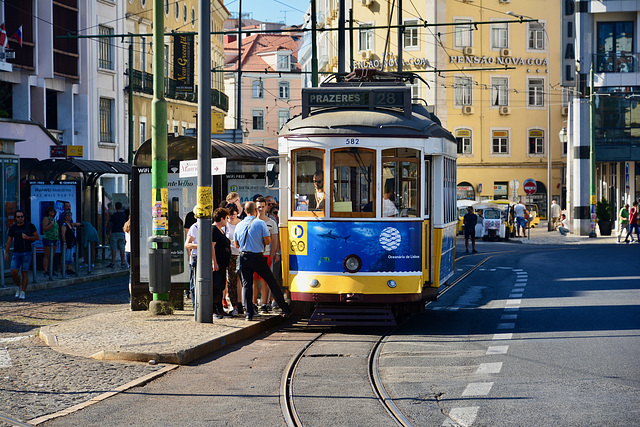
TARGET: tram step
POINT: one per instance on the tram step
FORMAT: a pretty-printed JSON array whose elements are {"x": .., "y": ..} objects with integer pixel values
[{"x": 352, "y": 316}]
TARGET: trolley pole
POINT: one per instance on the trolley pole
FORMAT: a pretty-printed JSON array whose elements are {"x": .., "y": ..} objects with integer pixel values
[
  {"x": 159, "y": 162},
  {"x": 203, "y": 310}
]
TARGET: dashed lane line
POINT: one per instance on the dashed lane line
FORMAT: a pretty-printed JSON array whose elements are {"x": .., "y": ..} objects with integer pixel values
[
  {"x": 477, "y": 389},
  {"x": 489, "y": 368},
  {"x": 498, "y": 349}
]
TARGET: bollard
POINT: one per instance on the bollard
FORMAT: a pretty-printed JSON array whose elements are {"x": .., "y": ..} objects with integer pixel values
[
  {"x": 33, "y": 264},
  {"x": 160, "y": 274}
]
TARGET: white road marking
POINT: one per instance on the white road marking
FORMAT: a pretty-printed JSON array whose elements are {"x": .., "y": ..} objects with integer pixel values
[
  {"x": 509, "y": 317},
  {"x": 452, "y": 308},
  {"x": 462, "y": 416},
  {"x": 477, "y": 389},
  {"x": 518, "y": 295},
  {"x": 498, "y": 349},
  {"x": 598, "y": 279},
  {"x": 502, "y": 336},
  {"x": 506, "y": 325},
  {"x": 489, "y": 368},
  {"x": 5, "y": 359},
  {"x": 514, "y": 302},
  {"x": 511, "y": 308}
]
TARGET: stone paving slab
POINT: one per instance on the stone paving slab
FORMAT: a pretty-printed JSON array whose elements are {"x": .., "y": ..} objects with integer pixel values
[{"x": 139, "y": 336}]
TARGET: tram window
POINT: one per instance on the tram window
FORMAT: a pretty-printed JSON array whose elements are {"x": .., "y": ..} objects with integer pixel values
[
  {"x": 400, "y": 182},
  {"x": 308, "y": 182},
  {"x": 353, "y": 182}
]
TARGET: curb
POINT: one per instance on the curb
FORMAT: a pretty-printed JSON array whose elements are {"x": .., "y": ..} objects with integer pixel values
[{"x": 179, "y": 357}]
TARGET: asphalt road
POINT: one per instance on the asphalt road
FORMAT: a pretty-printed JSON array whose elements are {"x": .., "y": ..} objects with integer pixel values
[{"x": 534, "y": 336}]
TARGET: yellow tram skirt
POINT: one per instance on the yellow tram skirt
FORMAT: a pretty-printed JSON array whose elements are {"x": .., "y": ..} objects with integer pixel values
[{"x": 354, "y": 284}]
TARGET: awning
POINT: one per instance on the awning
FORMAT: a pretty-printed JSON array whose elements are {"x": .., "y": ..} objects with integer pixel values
[{"x": 90, "y": 169}]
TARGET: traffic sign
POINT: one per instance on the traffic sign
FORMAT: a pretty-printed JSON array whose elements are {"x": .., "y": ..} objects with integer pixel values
[
  {"x": 514, "y": 183},
  {"x": 530, "y": 186}
]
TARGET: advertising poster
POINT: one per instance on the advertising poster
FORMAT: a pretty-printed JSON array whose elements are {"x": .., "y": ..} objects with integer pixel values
[
  {"x": 383, "y": 247},
  {"x": 249, "y": 184},
  {"x": 181, "y": 200},
  {"x": 183, "y": 62},
  {"x": 58, "y": 194}
]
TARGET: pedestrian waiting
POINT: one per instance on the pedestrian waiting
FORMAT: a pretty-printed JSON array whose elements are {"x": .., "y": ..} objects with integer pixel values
[
  {"x": 563, "y": 227},
  {"x": 624, "y": 223},
  {"x": 22, "y": 234},
  {"x": 470, "y": 220}
]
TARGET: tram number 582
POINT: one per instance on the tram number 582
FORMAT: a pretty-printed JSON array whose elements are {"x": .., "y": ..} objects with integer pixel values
[{"x": 353, "y": 141}]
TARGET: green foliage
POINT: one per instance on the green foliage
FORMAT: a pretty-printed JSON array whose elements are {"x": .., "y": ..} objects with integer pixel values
[{"x": 604, "y": 210}]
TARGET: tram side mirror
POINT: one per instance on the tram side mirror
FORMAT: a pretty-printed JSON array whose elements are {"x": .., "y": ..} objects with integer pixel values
[{"x": 272, "y": 171}]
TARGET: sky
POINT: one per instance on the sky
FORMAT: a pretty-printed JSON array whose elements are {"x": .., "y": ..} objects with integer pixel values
[{"x": 272, "y": 10}]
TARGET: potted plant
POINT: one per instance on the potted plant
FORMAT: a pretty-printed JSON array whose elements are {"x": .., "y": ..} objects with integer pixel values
[{"x": 604, "y": 211}]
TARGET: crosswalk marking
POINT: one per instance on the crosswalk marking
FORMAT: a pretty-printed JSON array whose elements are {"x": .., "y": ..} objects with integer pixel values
[
  {"x": 462, "y": 416},
  {"x": 506, "y": 325},
  {"x": 477, "y": 389},
  {"x": 489, "y": 368},
  {"x": 509, "y": 317},
  {"x": 498, "y": 349},
  {"x": 502, "y": 336}
]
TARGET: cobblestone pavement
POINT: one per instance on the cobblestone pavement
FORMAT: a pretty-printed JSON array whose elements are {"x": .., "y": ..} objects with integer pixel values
[{"x": 34, "y": 379}]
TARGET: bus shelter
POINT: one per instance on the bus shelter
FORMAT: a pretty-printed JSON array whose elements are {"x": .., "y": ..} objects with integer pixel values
[{"x": 245, "y": 174}]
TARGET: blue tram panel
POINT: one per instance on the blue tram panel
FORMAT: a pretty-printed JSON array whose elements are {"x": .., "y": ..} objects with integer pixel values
[{"x": 383, "y": 247}]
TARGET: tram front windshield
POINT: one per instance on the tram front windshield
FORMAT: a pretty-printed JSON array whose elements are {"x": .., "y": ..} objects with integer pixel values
[{"x": 348, "y": 188}]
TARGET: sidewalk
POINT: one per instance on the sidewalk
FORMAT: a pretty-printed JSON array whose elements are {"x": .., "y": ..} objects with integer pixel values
[{"x": 541, "y": 236}]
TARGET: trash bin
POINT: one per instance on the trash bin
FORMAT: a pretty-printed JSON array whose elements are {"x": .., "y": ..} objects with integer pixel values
[{"x": 159, "y": 264}]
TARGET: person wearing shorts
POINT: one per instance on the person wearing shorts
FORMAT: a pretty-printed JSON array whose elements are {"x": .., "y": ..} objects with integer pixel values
[{"x": 22, "y": 234}]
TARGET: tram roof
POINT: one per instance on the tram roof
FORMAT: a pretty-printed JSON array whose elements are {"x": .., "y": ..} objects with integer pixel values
[{"x": 356, "y": 121}]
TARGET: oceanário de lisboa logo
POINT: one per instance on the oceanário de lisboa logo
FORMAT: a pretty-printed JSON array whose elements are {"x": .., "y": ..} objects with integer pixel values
[{"x": 390, "y": 238}]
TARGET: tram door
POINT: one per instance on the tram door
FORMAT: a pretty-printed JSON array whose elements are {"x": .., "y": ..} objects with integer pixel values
[{"x": 427, "y": 223}]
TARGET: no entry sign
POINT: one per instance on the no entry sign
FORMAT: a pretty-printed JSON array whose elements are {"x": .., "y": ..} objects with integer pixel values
[{"x": 530, "y": 186}]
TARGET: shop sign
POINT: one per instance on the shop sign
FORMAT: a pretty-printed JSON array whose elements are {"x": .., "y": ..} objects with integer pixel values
[
  {"x": 183, "y": 62},
  {"x": 497, "y": 60}
]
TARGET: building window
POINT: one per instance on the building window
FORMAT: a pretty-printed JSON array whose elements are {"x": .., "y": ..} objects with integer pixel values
[
  {"x": 166, "y": 63},
  {"x": 499, "y": 36},
  {"x": 193, "y": 16},
  {"x": 143, "y": 132},
  {"x": 615, "y": 47},
  {"x": 258, "y": 119},
  {"x": 536, "y": 36},
  {"x": 536, "y": 142},
  {"x": 105, "y": 49},
  {"x": 184, "y": 12},
  {"x": 499, "y": 91},
  {"x": 500, "y": 142},
  {"x": 365, "y": 37},
  {"x": 463, "y": 136},
  {"x": 256, "y": 89},
  {"x": 143, "y": 54},
  {"x": 283, "y": 90},
  {"x": 106, "y": 122},
  {"x": 166, "y": 7},
  {"x": 463, "y": 91},
  {"x": 463, "y": 33},
  {"x": 411, "y": 34},
  {"x": 283, "y": 118},
  {"x": 177, "y": 11},
  {"x": 535, "y": 91},
  {"x": 284, "y": 62}
]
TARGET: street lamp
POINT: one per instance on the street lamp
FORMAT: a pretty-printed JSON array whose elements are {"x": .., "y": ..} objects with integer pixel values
[{"x": 548, "y": 140}]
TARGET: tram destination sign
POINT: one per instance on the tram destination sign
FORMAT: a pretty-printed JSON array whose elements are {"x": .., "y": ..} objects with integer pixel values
[{"x": 369, "y": 98}]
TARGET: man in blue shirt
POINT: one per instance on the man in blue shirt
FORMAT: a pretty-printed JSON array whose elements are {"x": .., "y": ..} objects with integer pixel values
[{"x": 250, "y": 237}]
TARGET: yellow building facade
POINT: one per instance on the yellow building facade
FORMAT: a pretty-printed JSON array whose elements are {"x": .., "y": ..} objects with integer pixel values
[
  {"x": 491, "y": 77},
  {"x": 182, "y": 106}
]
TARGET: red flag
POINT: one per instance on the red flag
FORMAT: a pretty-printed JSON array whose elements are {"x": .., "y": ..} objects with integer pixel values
[
  {"x": 18, "y": 35},
  {"x": 3, "y": 36}
]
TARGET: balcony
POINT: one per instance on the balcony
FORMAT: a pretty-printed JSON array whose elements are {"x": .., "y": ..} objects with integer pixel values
[
  {"x": 143, "y": 82},
  {"x": 616, "y": 62}
]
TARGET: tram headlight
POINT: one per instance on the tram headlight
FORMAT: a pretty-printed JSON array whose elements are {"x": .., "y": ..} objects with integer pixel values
[
  {"x": 314, "y": 283},
  {"x": 392, "y": 283},
  {"x": 352, "y": 263}
]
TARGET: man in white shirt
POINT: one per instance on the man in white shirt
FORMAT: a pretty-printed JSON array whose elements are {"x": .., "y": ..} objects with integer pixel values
[
  {"x": 388, "y": 207},
  {"x": 521, "y": 218},
  {"x": 555, "y": 214}
]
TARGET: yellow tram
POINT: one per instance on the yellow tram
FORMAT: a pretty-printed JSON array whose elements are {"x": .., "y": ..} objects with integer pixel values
[{"x": 367, "y": 201}]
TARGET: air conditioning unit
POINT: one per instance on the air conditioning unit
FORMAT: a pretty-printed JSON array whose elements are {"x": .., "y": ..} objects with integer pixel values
[
  {"x": 467, "y": 109},
  {"x": 468, "y": 51},
  {"x": 505, "y": 52},
  {"x": 565, "y": 111},
  {"x": 367, "y": 2},
  {"x": 366, "y": 54},
  {"x": 504, "y": 110}
]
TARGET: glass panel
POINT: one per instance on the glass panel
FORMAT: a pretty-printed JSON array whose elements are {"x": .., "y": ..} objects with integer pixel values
[
  {"x": 308, "y": 185},
  {"x": 400, "y": 182},
  {"x": 353, "y": 181}
]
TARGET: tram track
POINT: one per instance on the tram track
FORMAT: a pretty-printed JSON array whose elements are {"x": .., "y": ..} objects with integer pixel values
[{"x": 287, "y": 394}]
